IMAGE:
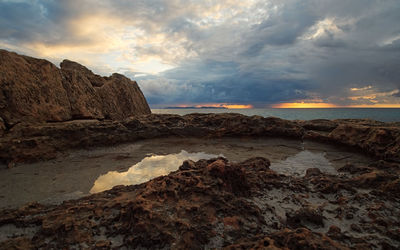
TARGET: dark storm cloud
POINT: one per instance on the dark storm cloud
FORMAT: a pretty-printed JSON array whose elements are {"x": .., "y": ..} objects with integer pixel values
[
  {"x": 219, "y": 82},
  {"x": 258, "y": 52},
  {"x": 282, "y": 28},
  {"x": 21, "y": 20}
]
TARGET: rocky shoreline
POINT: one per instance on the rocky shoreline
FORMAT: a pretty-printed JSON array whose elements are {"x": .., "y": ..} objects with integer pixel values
[
  {"x": 26, "y": 142},
  {"x": 46, "y": 111},
  {"x": 218, "y": 204},
  {"x": 215, "y": 203}
]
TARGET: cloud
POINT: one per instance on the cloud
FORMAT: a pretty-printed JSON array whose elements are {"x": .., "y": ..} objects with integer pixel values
[{"x": 255, "y": 51}]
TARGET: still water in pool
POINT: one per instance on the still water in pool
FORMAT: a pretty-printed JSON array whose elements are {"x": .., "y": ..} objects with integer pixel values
[
  {"x": 158, "y": 165},
  {"x": 147, "y": 169},
  {"x": 89, "y": 171}
]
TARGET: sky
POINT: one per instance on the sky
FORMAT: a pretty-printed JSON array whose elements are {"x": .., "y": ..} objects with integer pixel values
[{"x": 230, "y": 53}]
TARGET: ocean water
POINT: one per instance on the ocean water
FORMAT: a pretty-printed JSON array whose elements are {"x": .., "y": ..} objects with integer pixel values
[{"x": 379, "y": 114}]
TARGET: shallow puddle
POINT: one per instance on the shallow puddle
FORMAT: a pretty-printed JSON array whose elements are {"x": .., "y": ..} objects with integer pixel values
[
  {"x": 89, "y": 171},
  {"x": 147, "y": 169}
]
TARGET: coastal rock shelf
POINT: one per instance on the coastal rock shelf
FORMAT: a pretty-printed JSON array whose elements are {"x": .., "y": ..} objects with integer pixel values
[
  {"x": 40, "y": 141},
  {"x": 278, "y": 195},
  {"x": 215, "y": 203},
  {"x": 83, "y": 172}
]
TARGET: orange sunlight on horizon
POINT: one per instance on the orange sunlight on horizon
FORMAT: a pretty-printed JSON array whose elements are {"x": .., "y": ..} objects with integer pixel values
[
  {"x": 225, "y": 105},
  {"x": 289, "y": 105},
  {"x": 221, "y": 105},
  {"x": 295, "y": 105},
  {"x": 374, "y": 106},
  {"x": 330, "y": 105}
]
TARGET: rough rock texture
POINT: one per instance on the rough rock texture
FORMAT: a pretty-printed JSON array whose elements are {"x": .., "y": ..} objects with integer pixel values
[
  {"x": 92, "y": 96},
  {"x": 31, "y": 142},
  {"x": 31, "y": 89},
  {"x": 376, "y": 138},
  {"x": 215, "y": 204},
  {"x": 35, "y": 90},
  {"x": 2, "y": 127}
]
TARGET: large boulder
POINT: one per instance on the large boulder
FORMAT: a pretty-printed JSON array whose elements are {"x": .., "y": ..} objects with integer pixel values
[
  {"x": 35, "y": 90},
  {"x": 31, "y": 90}
]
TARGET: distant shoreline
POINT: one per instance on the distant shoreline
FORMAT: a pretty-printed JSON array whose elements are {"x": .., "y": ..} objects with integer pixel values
[
  {"x": 276, "y": 108},
  {"x": 378, "y": 114},
  {"x": 193, "y": 108}
]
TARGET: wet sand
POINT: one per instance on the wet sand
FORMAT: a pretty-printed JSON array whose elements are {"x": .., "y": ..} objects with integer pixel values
[{"x": 74, "y": 175}]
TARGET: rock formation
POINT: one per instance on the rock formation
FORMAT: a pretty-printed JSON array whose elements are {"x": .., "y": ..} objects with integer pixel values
[
  {"x": 45, "y": 111},
  {"x": 35, "y": 90},
  {"x": 32, "y": 142},
  {"x": 215, "y": 204},
  {"x": 376, "y": 138}
]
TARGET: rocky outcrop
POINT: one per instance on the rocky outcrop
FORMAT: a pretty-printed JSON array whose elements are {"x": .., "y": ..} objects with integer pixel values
[
  {"x": 216, "y": 204},
  {"x": 31, "y": 89},
  {"x": 383, "y": 140},
  {"x": 35, "y": 90},
  {"x": 376, "y": 138},
  {"x": 32, "y": 142},
  {"x": 91, "y": 96}
]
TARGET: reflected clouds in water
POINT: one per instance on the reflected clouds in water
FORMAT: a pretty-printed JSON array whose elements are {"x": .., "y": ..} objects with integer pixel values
[{"x": 150, "y": 167}]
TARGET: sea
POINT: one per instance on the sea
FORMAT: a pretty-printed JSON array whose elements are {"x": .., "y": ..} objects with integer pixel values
[{"x": 378, "y": 114}]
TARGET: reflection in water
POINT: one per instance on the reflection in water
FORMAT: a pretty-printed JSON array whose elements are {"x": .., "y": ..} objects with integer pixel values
[
  {"x": 150, "y": 167},
  {"x": 299, "y": 163}
]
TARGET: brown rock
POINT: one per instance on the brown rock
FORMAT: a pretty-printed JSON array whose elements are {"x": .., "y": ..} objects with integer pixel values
[
  {"x": 319, "y": 125},
  {"x": 392, "y": 187},
  {"x": 31, "y": 90},
  {"x": 257, "y": 163},
  {"x": 35, "y": 90},
  {"x": 17, "y": 243},
  {"x": 352, "y": 169},
  {"x": 42, "y": 141},
  {"x": 203, "y": 205},
  {"x": 374, "y": 178},
  {"x": 258, "y": 242},
  {"x": 303, "y": 238},
  {"x": 93, "y": 96},
  {"x": 32, "y": 142},
  {"x": 182, "y": 210},
  {"x": 376, "y": 138},
  {"x": 2, "y": 127},
  {"x": 334, "y": 231},
  {"x": 300, "y": 238},
  {"x": 313, "y": 172},
  {"x": 304, "y": 216},
  {"x": 382, "y": 141},
  {"x": 84, "y": 100}
]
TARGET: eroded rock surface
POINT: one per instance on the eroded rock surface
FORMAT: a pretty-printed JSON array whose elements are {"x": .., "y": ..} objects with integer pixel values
[
  {"x": 215, "y": 204},
  {"x": 35, "y": 90},
  {"x": 376, "y": 138},
  {"x": 32, "y": 142},
  {"x": 29, "y": 142}
]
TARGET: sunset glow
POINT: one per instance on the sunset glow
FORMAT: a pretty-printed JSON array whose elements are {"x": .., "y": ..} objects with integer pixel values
[
  {"x": 374, "y": 106},
  {"x": 231, "y": 54},
  {"x": 304, "y": 105},
  {"x": 331, "y": 105},
  {"x": 219, "y": 105},
  {"x": 237, "y": 106}
]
